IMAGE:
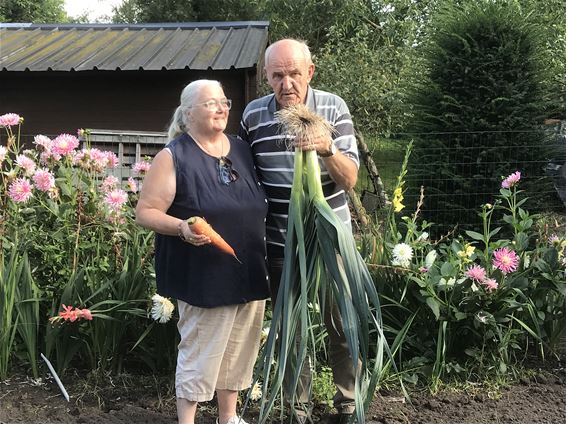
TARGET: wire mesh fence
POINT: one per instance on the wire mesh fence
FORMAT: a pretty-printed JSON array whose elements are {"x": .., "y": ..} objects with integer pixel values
[{"x": 462, "y": 171}]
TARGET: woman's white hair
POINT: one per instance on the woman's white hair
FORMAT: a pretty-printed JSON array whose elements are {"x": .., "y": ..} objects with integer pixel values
[{"x": 179, "y": 123}]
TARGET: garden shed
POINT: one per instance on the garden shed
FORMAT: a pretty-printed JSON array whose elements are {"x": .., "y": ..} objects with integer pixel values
[{"x": 122, "y": 77}]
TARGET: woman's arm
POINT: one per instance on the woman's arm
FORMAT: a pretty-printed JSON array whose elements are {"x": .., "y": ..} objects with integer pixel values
[{"x": 157, "y": 194}]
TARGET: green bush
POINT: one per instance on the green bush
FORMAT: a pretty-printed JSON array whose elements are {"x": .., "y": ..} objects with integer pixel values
[{"x": 479, "y": 106}]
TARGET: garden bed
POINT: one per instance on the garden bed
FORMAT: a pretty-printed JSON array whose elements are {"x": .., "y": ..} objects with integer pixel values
[{"x": 540, "y": 398}]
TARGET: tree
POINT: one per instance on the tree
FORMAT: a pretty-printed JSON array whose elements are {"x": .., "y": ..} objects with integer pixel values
[
  {"x": 479, "y": 104},
  {"x": 36, "y": 11},
  {"x": 369, "y": 51},
  {"x": 137, "y": 11}
]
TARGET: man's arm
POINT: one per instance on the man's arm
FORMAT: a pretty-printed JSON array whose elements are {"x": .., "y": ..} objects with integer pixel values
[{"x": 342, "y": 168}]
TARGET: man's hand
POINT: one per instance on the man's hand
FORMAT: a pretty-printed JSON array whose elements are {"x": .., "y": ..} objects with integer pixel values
[{"x": 322, "y": 143}]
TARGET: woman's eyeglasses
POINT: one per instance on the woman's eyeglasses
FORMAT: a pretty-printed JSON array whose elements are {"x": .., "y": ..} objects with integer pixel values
[
  {"x": 214, "y": 104},
  {"x": 226, "y": 174}
]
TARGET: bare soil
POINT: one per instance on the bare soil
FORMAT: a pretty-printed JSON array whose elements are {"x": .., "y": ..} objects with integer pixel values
[{"x": 144, "y": 399}]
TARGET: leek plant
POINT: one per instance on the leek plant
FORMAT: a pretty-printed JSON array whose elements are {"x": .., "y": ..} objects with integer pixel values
[{"x": 322, "y": 266}]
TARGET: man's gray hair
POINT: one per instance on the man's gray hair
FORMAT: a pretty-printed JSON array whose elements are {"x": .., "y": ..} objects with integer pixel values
[{"x": 303, "y": 45}]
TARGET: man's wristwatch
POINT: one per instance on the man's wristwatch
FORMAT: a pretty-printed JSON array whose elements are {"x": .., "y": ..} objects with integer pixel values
[{"x": 331, "y": 152}]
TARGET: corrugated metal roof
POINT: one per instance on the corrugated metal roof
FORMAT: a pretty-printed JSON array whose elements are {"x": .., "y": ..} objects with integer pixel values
[{"x": 82, "y": 47}]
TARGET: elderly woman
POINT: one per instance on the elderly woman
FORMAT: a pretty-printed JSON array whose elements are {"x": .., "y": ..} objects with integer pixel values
[{"x": 204, "y": 172}]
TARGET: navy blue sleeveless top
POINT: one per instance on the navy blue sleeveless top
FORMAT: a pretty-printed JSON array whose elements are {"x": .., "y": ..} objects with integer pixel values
[{"x": 205, "y": 276}]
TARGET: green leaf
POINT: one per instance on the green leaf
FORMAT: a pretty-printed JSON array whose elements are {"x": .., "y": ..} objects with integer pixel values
[
  {"x": 447, "y": 269},
  {"x": 474, "y": 235},
  {"x": 434, "y": 306},
  {"x": 521, "y": 241},
  {"x": 494, "y": 231}
]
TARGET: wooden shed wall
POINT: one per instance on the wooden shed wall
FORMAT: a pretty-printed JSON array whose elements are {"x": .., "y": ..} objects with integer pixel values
[{"x": 56, "y": 102}]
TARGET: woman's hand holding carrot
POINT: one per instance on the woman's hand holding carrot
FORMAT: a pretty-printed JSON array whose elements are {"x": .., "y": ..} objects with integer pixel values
[
  {"x": 190, "y": 236},
  {"x": 200, "y": 227}
]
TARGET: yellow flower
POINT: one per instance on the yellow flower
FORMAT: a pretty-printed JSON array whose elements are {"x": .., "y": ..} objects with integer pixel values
[
  {"x": 467, "y": 252},
  {"x": 398, "y": 199}
]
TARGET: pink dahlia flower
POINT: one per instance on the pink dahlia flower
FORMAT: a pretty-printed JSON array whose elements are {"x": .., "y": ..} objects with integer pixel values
[
  {"x": 506, "y": 260},
  {"x": 113, "y": 161},
  {"x": 490, "y": 284},
  {"x": 44, "y": 180},
  {"x": 132, "y": 185},
  {"x": 20, "y": 190},
  {"x": 10, "y": 119},
  {"x": 140, "y": 168},
  {"x": 476, "y": 273},
  {"x": 47, "y": 156},
  {"x": 26, "y": 163},
  {"x": 109, "y": 184},
  {"x": 43, "y": 141},
  {"x": 115, "y": 199},
  {"x": 64, "y": 144},
  {"x": 511, "y": 180}
]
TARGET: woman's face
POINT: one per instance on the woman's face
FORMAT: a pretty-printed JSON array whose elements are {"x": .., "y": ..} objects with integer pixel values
[{"x": 209, "y": 112}]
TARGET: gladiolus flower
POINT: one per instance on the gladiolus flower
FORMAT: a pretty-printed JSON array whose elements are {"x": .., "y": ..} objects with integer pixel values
[
  {"x": 162, "y": 309},
  {"x": 402, "y": 255},
  {"x": 26, "y": 163},
  {"x": 490, "y": 284},
  {"x": 20, "y": 190},
  {"x": 69, "y": 313},
  {"x": 86, "y": 314},
  {"x": 398, "y": 200},
  {"x": 476, "y": 273},
  {"x": 44, "y": 180},
  {"x": 10, "y": 119},
  {"x": 64, "y": 144},
  {"x": 511, "y": 180},
  {"x": 506, "y": 260},
  {"x": 140, "y": 168},
  {"x": 115, "y": 199}
]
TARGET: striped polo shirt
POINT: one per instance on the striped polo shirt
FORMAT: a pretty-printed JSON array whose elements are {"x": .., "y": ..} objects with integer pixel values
[{"x": 275, "y": 162}]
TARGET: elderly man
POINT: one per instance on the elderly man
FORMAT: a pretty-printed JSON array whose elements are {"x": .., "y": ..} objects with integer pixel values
[{"x": 289, "y": 70}]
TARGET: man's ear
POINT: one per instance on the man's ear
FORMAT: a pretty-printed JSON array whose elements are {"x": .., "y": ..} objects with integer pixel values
[{"x": 310, "y": 72}]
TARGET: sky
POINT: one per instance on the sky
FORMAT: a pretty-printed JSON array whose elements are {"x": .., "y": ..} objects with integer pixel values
[{"x": 96, "y": 9}]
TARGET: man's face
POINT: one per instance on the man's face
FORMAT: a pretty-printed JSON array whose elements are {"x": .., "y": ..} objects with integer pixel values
[{"x": 288, "y": 74}]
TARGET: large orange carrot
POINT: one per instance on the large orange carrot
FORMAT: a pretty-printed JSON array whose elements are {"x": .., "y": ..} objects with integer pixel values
[{"x": 200, "y": 226}]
